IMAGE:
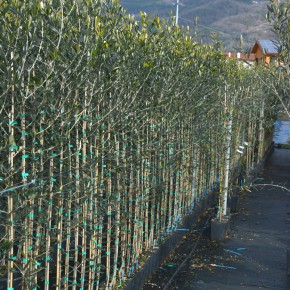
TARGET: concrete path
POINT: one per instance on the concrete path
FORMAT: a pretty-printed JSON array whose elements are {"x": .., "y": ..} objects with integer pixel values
[{"x": 254, "y": 256}]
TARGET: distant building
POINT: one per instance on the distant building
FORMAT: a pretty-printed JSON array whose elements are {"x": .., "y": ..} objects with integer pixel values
[
  {"x": 248, "y": 59},
  {"x": 265, "y": 51}
]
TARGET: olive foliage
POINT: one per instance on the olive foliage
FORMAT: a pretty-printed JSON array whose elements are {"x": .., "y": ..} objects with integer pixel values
[{"x": 112, "y": 130}]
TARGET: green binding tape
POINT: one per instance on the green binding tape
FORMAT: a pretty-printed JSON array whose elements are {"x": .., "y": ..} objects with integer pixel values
[{"x": 24, "y": 175}]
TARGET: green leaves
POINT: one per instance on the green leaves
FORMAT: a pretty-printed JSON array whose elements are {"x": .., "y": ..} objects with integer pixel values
[
  {"x": 53, "y": 54},
  {"x": 97, "y": 24},
  {"x": 279, "y": 17}
]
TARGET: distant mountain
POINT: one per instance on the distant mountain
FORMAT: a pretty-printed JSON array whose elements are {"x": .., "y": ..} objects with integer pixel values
[{"x": 228, "y": 18}]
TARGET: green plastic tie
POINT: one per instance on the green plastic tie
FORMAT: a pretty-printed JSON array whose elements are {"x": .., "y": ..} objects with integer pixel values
[{"x": 24, "y": 175}]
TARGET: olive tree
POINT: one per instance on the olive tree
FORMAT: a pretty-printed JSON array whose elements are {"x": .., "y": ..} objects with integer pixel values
[{"x": 279, "y": 16}]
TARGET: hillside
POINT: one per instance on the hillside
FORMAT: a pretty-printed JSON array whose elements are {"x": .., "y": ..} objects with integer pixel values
[{"x": 228, "y": 18}]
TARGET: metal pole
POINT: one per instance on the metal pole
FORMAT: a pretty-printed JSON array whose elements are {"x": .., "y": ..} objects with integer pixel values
[{"x": 177, "y": 11}]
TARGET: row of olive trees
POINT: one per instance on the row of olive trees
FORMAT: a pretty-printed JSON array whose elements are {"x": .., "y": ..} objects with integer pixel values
[
  {"x": 279, "y": 16},
  {"x": 112, "y": 130}
]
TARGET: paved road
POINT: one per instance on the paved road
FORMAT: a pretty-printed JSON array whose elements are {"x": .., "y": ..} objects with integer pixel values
[{"x": 254, "y": 255}]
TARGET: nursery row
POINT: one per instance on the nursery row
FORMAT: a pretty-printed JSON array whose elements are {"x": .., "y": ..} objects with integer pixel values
[{"x": 112, "y": 130}]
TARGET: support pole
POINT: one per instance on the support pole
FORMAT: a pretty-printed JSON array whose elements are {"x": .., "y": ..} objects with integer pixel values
[
  {"x": 177, "y": 11},
  {"x": 229, "y": 128}
]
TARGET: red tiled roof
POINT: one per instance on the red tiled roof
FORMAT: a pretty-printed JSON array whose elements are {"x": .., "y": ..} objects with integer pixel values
[{"x": 241, "y": 56}]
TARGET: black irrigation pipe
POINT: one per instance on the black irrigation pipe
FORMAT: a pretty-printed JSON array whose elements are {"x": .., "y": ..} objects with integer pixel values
[{"x": 188, "y": 256}]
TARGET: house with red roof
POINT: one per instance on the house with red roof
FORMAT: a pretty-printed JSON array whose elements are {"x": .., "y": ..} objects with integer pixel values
[{"x": 264, "y": 51}]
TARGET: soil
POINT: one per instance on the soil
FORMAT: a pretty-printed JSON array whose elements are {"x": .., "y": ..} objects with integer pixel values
[{"x": 204, "y": 255}]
